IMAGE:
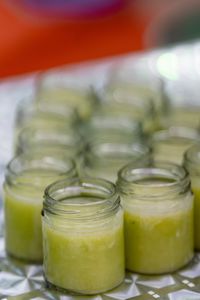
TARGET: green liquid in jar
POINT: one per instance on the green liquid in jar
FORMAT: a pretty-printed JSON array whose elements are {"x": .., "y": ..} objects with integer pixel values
[
  {"x": 158, "y": 244},
  {"x": 87, "y": 260},
  {"x": 22, "y": 207},
  {"x": 79, "y": 99},
  {"x": 196, "y": 191}
]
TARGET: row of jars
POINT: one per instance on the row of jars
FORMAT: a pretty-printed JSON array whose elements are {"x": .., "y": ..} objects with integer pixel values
[
  {"x": 88, "y": 237},
  {"x": 82, "y": 217}
]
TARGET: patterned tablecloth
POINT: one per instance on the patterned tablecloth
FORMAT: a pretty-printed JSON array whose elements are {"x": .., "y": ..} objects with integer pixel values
[{"x": 21, "y": 281}]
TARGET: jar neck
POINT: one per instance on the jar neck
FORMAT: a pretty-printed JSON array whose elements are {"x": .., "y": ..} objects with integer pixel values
[
  {"x": 177, "y": 136},
  {"x": 159, "y": 181},
  {"x": 81, "y": 199},
  {"x": 109, "y": 154},
  {"x": 37, "y": 170},
  {"x": 50, "y": 135},
  {"x": 101, "y": 125}
]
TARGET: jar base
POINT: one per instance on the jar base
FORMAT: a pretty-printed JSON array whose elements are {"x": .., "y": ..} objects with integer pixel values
[
  {"x": 164, "y": 272},
  {"x": 52, "y": 286},
  {"x": 23, "y": 260}
]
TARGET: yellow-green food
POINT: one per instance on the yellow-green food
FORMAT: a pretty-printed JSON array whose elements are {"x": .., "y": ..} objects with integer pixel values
[
  {"x": 196, "y": 191},
  {"x": 23, "y": 227},
  {"x": 23, "y": 205},
  {"x": 158, "y": 242},
  {"x": 86, "y": 261}
]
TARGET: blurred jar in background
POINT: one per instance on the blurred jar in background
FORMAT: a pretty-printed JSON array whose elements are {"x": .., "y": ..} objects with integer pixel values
[
  {"x": 27, "y": 176},
  {"x": 66, "y": 94},
  {"x": 170, "y": 144},
  {"x": 110, "y": 128},
  {"x": 185, "y": 116},
  {"x": 129, "y": 80},
  {"x": 120, "y": 103},
  {"x": 33, "y": 113},
  {"x": 104, "y": 159},
  {"x": 31, "y": 138}
]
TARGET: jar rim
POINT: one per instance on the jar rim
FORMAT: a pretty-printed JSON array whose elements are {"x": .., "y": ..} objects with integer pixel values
[
  {"x": 178, "y": 132},
  {"x": 22, "y": 163},
  {"x": 101, "y": 122},
  {"x": 33, "y": 107},
  {"x": 69, "y": 189},
  {"x": 138, "y": 101},
  {"x": 50, "y": 134},
  {"x": 110, "y": 151},
  {"x": 158, "y": 175}
]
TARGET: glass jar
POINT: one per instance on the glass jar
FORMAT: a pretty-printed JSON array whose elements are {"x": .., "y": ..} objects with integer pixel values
[
  {"x": 170, "y": 145},
  {"x": 133, "y": 79},
  {"x": 29, "y": 112},
  {"x": 48, "y": 137},
  {"x": 83, "y": 236},
  {"x": 110, "y": 128},
  {"x": 104, "y": 159},
  {"x": 158, "y": 213},
  {"x": 137, "y": 107},
  {"x": 26, "y": 178},
  {"x": 66, "y": 93},
  {"x": 192, "y": 164},
  {"x": 186, "y": 116}
]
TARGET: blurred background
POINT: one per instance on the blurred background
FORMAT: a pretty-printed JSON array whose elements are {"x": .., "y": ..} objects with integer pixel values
[
  {"x": 37, "y": 35},
  {"x": 97, "y": 79}
]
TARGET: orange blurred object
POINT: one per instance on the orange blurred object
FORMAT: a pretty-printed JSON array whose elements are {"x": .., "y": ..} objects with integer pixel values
[{"x": 29, "y": 44}]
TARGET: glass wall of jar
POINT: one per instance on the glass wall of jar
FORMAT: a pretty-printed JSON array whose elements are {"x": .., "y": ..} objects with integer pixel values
[
  {"x": 192, "y": 164},
  {"x": 170, "y": 144},
  {"x": 127, "y": 79},
  {"x": 29, "y": 112},
  {"x": 137, "y": 107},
  {"x": 103, "y": 158},
  {"x": 182, "y": 116},
  {"x": 67, "y": 93},
  {"x": 83, "y": 236},
  {"x": 158, "y": 207},
  {"x": 50, "y": 136},
  {"x": 112, "y": 128},
  {"x": 27, "y": 176}
]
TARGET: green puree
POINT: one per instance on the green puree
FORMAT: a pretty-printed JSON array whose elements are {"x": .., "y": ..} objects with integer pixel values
[
  {"x": 23, "y": 228},
  {"x": 84, "y": 259},
  {"x": 196, "y": 191},
  {"x": 158, "y": 243},
  {"x": 22, "y": 206},
  {"x": 158, "y": 232}
]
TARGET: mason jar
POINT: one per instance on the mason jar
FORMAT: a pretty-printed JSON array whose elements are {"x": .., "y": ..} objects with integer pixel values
[
  {"x": 170, "y": 144},
  {"x": 192, "y": 164},
  {"x": 26, "y": 177},
  {"x": 137, "y": 107},
  {"x": 30, "y": 112},
  {"x": 104, "y": 159},
  {"x": 110, "y": 128},
  {"x": 48, "y": 137},
  {"x": 186, "y": 116},
  {"x": 66, "y": 93},
  {"x": 131, "y": 79},
  {"x": 83, "y": 236},
  {"x": 158, "y": 214}
]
